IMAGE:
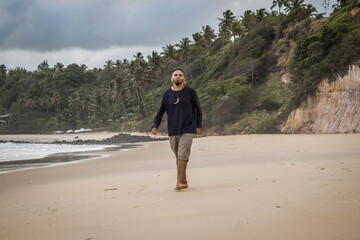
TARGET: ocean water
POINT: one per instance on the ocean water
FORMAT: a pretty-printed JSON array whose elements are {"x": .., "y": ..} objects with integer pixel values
[
  {"x": 25, "y": 151},
  {"x": 17, "y": 156}
]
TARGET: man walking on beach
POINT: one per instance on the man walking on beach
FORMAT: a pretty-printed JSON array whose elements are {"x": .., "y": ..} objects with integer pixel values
[{"x": 184, "y": 118}]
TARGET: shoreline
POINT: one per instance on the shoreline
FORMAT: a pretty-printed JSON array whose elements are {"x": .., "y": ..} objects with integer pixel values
[
  {"x": 62, "y": 158},
  {"x": 49, "y": 138},
  {"x": 125, "y": 140},
  {"x": 240, "y": 187},
  {"x": 83, "y": 138}
]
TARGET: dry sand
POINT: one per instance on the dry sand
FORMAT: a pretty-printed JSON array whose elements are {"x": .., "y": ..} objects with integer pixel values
[{"x": 241, "y": 187}]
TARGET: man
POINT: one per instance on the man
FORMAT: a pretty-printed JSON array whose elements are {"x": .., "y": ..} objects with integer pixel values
[{"x": 184, "y": 118}]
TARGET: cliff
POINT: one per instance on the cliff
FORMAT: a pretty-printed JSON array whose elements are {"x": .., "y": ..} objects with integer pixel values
[{"x": 335, "y": 108}]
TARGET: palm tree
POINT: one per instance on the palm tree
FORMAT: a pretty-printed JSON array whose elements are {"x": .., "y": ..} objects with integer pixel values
[
  {"x": 92, "y": 106},
  {"x": 118, "y": 64},
  {"x": 155, "y": 66},
  {"x": 138, "y": 56},
  {"x": 198, "y": 39},
  {"x": 279, "y": 3},
  {"x": 340, "y": 3},
  {"x": 45, "y": 103},
  {"x": 237, "y": 29},
  {"x": 310, "y": 10},
  {"x": 121, "y": 90},
  {"x": 169, "y": 52},
  {"x": 155, "y": 61},
  {"x": 109, "y": 64},
  {"x": 226, "y": 21},
  {"x": 59, "y": 67},
  {"x": 2, "y": 74},
  {"x": 125, "y": 62},
  {"x": 260, "y": 14},
  {"x": 184, "y": 47},
  {"x": 293, "y": 5},
  {"x": 248, "y": 20},
  {"x": 74, "y": 103},
  {"x": 209, "y": 35},
  {"x": 137, "y": 75},
  {"x": 98, "y": 107},
  {"x": 3, "y": 70},
  {"x": 85, "y": 101},
  {"x": 55, "y": 101},
  {"x": 43, "y": 65},
  {"x": 136, "y": 91},
  {"x": 107, "y": 91}
]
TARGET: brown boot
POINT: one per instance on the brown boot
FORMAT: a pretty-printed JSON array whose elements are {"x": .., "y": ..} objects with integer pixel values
[{"x": 181, "y": 175}]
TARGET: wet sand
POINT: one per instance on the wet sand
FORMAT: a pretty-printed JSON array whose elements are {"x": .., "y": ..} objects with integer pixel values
[{"x": 240, "y": 187}]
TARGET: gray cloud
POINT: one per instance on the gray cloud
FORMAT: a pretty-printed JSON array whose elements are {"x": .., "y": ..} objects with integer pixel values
[
  {"x": 93, "y": 31},
  {"x": 49, "y": 25},
  {"x": 44, "y": 25}
]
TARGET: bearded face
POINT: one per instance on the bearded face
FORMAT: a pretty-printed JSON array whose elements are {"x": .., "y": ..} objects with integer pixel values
[{"x": 177, "y": 77}]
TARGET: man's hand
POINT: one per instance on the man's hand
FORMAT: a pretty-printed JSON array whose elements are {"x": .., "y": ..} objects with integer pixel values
[
  {"x": 197, "y": 130},
  {"x": 154, "y": 131}
]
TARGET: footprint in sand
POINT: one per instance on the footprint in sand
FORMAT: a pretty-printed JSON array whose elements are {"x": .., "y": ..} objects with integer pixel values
[
  {"x": 138, "y": 189},
  {"x": 347, "y": 169},
  {"x": 204, "y": 150},
  {"x": 52, "y": 210},
  {"x": 142, "y": 188},
  {"x": 286, "y": 163}
]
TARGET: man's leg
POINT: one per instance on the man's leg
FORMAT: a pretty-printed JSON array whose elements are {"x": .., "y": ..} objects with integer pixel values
[
  {"x": 174, "y": 144},
  {"x": 181, "y": 175},
  {"x": 177, "y": 162},
  {"x": 184, "y": 147}
]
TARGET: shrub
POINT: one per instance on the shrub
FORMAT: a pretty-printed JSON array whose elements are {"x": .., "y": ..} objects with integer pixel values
[
  {"x": 218, "y": 44},
  {"x": 224, "y": 111},
  {"x": 266, "y": 125},
  {"x": 221, "y": 66},
  {"x": 325, "y": 52},
  {"x": 269, "y": 103},
  {"x": 261, "y": 41}
]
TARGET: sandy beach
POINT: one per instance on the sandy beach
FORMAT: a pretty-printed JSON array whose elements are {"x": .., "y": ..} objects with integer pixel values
[{"x": 240, "y": 187}]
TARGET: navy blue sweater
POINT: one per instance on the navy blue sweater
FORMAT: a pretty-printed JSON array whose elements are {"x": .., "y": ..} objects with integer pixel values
[{"x": 183, "y": 117}]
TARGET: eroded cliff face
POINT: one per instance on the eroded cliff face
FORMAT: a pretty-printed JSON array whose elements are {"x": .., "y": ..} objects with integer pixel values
[{"x": 335, "y": 108}]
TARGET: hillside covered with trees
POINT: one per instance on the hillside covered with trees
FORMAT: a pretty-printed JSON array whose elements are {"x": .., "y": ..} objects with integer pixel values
[{"x": 249, "y": 75}]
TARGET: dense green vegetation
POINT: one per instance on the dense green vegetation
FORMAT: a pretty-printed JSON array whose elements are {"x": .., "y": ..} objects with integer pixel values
[
  {"x": 326, "y": 52},
  {"x": 235, "y": 72}
]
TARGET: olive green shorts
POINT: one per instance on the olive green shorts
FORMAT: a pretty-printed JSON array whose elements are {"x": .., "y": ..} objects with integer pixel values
[{"x": 181, "y": 145}]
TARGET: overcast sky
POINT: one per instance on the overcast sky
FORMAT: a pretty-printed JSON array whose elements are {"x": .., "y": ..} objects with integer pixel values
[{"x": 92, "y": 31}]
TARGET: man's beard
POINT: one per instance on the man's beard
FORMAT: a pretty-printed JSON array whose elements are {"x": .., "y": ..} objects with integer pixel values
[{"x": 178, "y": 83}]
